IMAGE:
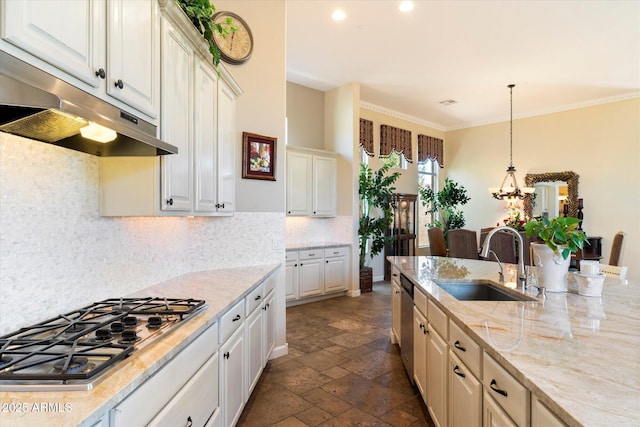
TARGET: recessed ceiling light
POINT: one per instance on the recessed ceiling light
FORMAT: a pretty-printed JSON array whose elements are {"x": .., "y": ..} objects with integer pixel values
[
  {"x": 448, "y": 102},
  {"x": 405, "y": 6},
  {"x": 338, "y": 15}
]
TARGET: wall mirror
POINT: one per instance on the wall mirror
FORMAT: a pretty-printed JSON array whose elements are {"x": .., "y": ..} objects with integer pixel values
[{"x": 553, "y": 190}]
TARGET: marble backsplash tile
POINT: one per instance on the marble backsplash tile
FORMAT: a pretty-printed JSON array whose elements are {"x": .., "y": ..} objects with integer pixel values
[
  {"x": 302, "y": 230},
  {"x": 57, "y": 254}
]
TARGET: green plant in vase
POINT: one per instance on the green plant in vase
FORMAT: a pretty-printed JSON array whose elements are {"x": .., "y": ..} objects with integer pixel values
[{"x": 559, "y": 234}]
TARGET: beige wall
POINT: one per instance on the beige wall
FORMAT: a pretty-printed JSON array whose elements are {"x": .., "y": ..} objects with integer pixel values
[
  {"x": 262, "y": 107},
  {"x": 305, "y": 114},
  {"x": 600, "y": 143}
]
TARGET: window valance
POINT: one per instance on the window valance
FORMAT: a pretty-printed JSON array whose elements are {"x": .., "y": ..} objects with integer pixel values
[
  {"x": 430, "y": 148},
  {"x": 366, "y": 136},
  {"x": 392, "y": 138}
]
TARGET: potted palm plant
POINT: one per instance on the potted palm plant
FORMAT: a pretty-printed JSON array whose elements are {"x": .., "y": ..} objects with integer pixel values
[
  {"x": 376, "y": 216},
  {"x": 560, "y": 237}
]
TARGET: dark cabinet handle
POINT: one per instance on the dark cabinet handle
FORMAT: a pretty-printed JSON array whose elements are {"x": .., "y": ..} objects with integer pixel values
[
  {"x": 395, "y": 275},
  {"x": 421, "y": 326},
  {"x": 170, "y": 202},
  {"x": 257, "y": 298},
  {"x": 220, "y": 205},
  {"x": 265, "y": 307},
  {"x": 226, "y": 355},
  {"x": 101, "y": 73},
  {"x": 456, "y": 370},
  {"x": 119, "y": 84},
  {"x": 235, "y": 319},
  {"x": 189, "y": 422},
  {"x": 426, "y": 331},
  {"x": 497, "y": 390},
  {"x": 397, "y": 292},
  {"x": 458, "y": 346}
]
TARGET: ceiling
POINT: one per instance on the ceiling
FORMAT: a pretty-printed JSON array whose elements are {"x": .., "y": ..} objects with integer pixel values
[{"x": 559, "y": 54}]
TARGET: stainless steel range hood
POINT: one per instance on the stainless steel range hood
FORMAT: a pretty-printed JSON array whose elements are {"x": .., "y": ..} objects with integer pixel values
[{"x": 37, "y": 105}]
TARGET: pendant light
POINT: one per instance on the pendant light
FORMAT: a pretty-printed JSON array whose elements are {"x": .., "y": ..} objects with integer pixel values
[{"x": 509, "y": 190}]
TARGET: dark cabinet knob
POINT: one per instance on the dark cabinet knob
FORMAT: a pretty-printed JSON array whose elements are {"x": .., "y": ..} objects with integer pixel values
[
  {"x": 101, "y": 73},
  {"x": 119, "y": 84},
  {"x": 189, "y": 422},
  {"x": 170, "y": 202},
  {"x": 226, "y": 355}
]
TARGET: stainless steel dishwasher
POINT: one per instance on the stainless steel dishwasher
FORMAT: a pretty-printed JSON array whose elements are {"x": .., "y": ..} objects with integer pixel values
[{"x": 406, "y": 326}]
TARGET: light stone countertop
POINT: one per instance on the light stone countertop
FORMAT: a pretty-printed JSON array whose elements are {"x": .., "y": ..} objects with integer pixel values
[
  {"x": 219, "y": 288},
  {"x": 579, "y": 355},
  {"x": 312, "y": 245}
]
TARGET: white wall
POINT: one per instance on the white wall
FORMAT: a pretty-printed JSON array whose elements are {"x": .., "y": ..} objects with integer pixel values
[{"x": 305, "y": 114}]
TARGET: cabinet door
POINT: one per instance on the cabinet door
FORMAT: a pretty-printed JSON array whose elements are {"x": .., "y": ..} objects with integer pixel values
[
  {"x": 255, "y": 347},
  {"x": 69, "y": 35},
  {"x": 311, "y": 280},
  {"x": 226, "y": 151},
  {"x": 541, "y": 416},
  {"x": 269, "y": 325},
  {"x": 465, "y": 395},
  {"x": 324, "y": 186},
  {"x": 396, "y": 301},
  {"x": 336, "y": 274},
  {"x": 299, "y": 199},
  {"x": 232, "y": 373},
  {"x": 177, "y": 62},
  {"x": 204, "y": 141},
  {"x": 494, "y": 415},
  {"x": 437, "y": 350},
  {"x": 420, "y": 352},
  {"x": 291, "y": 280},
  {"x": 133, "y": 54}
]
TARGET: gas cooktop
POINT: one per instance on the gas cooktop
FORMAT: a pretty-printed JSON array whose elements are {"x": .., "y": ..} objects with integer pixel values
[{"x": 74, "y": 351}]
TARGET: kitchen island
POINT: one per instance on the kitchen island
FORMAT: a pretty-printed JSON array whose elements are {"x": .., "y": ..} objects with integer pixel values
[
  {"x": 579, "y": 356},
  {"x": 221, "y": 289}
]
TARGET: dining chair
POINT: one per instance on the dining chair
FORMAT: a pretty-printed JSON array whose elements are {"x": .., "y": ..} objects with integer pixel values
[
  {"x": 463, "y": 243},
  {"x": 615, "y": 271},
  {"x": 504, "y": 246},
  {"x": 616, "y": 248},
  {"x": 436, "y": 242}
]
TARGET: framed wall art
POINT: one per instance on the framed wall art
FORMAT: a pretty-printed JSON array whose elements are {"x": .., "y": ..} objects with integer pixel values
[{"x": 258, "y": 156}]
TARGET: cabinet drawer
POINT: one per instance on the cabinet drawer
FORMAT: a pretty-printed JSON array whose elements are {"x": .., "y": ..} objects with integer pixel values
[
  {"x": 231, "y": 320},
  {"x": 255, "y": 297},
  {"x": 291, "y": 255},
  {"x": 195, "y": 402},
  {"x": 438, "y": 319},
  {"x": 465, "y": 348},
  {"x": 311, "y": 254},
  {"x": 148, "y": 399},
  {"x": 334, "y": 252},
  {"x": 395, "y": 275},
  {"x": 512, "y": 396},
  {"x": 420, "y": 301},
  {"x": 269, "y": 284}
]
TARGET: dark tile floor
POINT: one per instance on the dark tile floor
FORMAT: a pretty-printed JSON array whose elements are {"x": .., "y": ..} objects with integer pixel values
[{"x": 341, "y": 370}]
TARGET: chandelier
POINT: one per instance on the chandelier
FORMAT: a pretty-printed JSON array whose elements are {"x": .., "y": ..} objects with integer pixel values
[{"x": 510, "y": 190}]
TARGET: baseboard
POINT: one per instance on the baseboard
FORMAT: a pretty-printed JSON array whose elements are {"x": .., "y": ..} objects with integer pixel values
[
  {"x": 353, "y": 293},
  {"x": 279, "y": 351},
  {"x": 306, "y": 300}
]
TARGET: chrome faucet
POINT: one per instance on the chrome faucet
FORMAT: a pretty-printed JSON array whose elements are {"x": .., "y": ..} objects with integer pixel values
[
  {"x": 501, "y": 273},
  {"x": 522, "y": 275}
]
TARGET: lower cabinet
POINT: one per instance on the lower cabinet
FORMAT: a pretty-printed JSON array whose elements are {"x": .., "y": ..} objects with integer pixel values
[
  {"x": 465, "y": 395},
  {"x": 437, "y": 351},
  {"x": 291, "y": 276},
  {"x": 317, "y": 272},
  {"x": 396, "y": 302},
  {"x": 420, "y": 339},
  {"x": 311, "y": 273},
  {"x": 186, "y": 388},
  {"x": 232, "y": 373},
  {"x": 541, "y": 416},
  {"x": 494, "y": 415},
  {"x": 269, "y": 325},
  {"x": 336, "y": 269}
]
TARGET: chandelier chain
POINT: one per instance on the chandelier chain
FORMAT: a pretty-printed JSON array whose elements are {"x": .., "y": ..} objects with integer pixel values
[{"x": 511, "y": 126}]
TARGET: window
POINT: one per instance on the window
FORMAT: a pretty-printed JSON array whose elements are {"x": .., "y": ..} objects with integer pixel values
[
  {"x": 364, "y": 157},
  {"x": 427, "y": 177},
  {"x": 395, "y": 160}
]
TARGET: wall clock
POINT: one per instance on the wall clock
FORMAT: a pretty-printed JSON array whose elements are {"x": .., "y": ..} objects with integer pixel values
[{"x": 235, "y": 47}]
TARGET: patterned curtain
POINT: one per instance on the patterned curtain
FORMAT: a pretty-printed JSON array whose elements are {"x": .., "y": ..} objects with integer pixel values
[
  {"x": 366, "y": 136},
  {"x": 430, "y": 148},
  {"x": 397, "y": 139}
]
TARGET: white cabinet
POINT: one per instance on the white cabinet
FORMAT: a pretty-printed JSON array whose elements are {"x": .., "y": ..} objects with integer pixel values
[
  {"x": 187, "y": 386},
  {"x": 437, "y": 351},
  {"x": 493, "y": 414},
  {"x": 541, "y": 416},
  {"x": 107, "y": 48},
  {"x": 311, "y": 182},
  {"x": 311, "y": 271},
  {"x": 291, "y": 275},
  {"x": 269, "y": 325},
  {"x": 420, "y": 339},
  {"x": 396, "y": 303},
  {"x": 254, "y": 331},
  {"x": 465, "y": 395},
  {"x": 232, "y": 374},
  {"x": 506, "y": 391},
  {"x": 198, "y": 117},
  {"x": 336, "y": 269}
]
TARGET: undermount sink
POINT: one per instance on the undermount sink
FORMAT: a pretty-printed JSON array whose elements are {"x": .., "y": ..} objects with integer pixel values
[{"x": 481, "y": 291}]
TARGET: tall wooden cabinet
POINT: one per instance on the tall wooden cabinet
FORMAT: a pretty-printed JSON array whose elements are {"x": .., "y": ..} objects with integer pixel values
[{"x": 402, "y": 230}]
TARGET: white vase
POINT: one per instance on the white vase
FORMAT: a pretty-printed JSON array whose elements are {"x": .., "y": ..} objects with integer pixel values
[{"x": 552, "y": 268}]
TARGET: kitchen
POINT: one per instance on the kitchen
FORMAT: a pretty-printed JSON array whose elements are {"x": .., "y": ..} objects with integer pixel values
[{"x": 51, "y": 225}]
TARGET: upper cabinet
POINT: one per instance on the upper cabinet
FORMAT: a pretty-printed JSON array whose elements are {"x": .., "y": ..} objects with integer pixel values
[
  {"x": 311, "y": 182},
  {"x": 198, "y": 117},
  {"x": 109, "y": 48}
]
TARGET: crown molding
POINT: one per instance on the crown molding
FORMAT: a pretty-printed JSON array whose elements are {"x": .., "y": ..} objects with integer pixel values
[{"x": 399, "y": 115}]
